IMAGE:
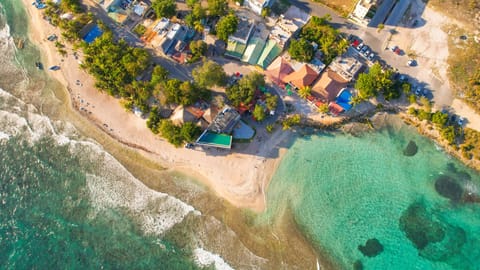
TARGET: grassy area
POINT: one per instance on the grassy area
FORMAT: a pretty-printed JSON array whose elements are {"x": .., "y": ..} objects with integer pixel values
[
  {"x": 343, "y": 7},
  {"x": 464, "y": 67}
]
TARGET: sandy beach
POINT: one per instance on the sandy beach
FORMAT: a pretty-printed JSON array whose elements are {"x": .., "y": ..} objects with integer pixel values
[{"x": 241, "y": 175}]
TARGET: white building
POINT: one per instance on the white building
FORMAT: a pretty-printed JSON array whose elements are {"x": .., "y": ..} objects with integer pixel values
[{"x": 257, "y": 5}]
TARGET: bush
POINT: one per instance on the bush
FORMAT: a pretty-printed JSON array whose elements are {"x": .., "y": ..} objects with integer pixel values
[
  {"x": 291, "y": 121},
  {"x": 140, "y": 30}
]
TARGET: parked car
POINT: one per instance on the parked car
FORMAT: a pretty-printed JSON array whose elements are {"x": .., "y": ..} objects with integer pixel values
[
  {"x": 403, "y": 78},
  {"x": 418, "y": 91},
  {"x": 54, "y": 68},
  {"x": 366, "y": 53},
  {"x": 461, "y": 121},
  {"x": 360, "y": 46},
  {"x": 364, "y": 48},
  {"x": 394, "y": 48},
  {"x": 412, "y": 63},
  {"x": 371, "y": 56}
]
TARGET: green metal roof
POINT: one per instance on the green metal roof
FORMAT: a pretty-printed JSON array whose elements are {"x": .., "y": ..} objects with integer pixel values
[
  {"x": 235, "y": 49},
  {"x": 269, "y": 53},
  {"x": 254, "y": 49}
]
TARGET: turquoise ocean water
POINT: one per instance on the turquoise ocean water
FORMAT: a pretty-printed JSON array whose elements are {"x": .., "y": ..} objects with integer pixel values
[
  {"x": 64, "y": 202},
  {"x": 344, "y": 190},
  {"x": 67, "y": 204}
]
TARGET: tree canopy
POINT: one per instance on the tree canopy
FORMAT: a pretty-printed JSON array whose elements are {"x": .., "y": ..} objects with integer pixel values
[
  {"x": 259, "y": 113},
  {"x": 209, "y": 74},
  {"x": 301, "y": 50},
  {"x": 114, "y": 64},
  {"x": 198, "y": 48},
  {"x": 226, "y": 26},
  {"x": 164, "y": 8},
  {"x": 217, "y": 7},
  {"x": 272, "y": 101},
  {"x": 177, "y": 135},
  {"x": 329, "y": 42},
  {"x": 244, "y": 90},
  {"x": 375, "y": 80}
]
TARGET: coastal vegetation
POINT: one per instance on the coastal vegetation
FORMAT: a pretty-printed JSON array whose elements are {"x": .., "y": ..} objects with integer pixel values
[
  {"x": 178, "y": 134},
  {"x": 243, "y": 92},
  {"x": 328, "y": 39},
  {"x": 291, "y": 121},
  {"x": 377, "y": 81},
  {"x": 115, "y": 65}
]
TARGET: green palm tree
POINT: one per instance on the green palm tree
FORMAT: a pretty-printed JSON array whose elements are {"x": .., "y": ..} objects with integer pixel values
[{"x": 305, "y": 91}]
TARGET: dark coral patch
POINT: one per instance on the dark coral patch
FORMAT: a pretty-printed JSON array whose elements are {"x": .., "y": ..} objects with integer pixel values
[
  {"x": 372, "y": 248},
  {"x": 448, "y": 187},
  {"x": 411, "y": 149}
]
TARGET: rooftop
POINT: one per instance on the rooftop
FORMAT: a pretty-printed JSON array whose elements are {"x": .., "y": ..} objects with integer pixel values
[
  {"x": 225, "y": 121},
  {"x": 329, "y": 85},
  {"x": 244, "y": 30},
  {"x": 346, "y": 65}
]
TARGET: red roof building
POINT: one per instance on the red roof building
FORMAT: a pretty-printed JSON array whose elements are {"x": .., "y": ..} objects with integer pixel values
[
  {"x": 278, "y": 70},
  {"x": 305, "y": 76}
]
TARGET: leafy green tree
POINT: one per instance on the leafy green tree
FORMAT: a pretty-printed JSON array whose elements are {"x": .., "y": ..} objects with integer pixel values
[
  {"x": 407, "y": 88},
  {"x": 266, "y": 12},
  {"x": 164, "y": 8},
  {"x": 440, "y": 118},
  {"x": 323, "y": 108},
  {"x": 217, "y": 7},
  {"x": 198, "y": 48},
  {"x": 209, "y": 74},
  {"x": 226, "y": 26},
  {"x": 259, "y": 113},
  {"x": 304, "y": 92},
  {"x": 153, "y": 120},
  {"x": 190, "y": 131},
  {"x": 271, "y": 101},
  {"x": 426, "y": 103},
  {"x": 301, "y": 50},
  {"x": 159, "y": 74},
  {"x": 449, "y": 134},
  {"x": 244, "y": 90},
  {"x": 291, "y": 121},
  {"x": 412, "y": 99},
  {"x": 192, "y": 3},
  {"x": 366, "y": 86},
  {"x": 171, "y": 132}
]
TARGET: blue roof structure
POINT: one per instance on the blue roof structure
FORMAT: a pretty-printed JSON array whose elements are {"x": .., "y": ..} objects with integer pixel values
[{"x": 93, "y": 34}]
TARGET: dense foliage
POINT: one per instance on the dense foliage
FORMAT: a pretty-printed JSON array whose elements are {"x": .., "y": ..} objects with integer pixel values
[
  {"x": 217, "y": 7},
  {"x": 304, "y": 92},
  {"x": 259, "y": 113},
  {"x": 377, "y": 79},
  {"x": 226, "y": 26},
  {"x": 301, "y": 50},
  {"x": 291, "y": 121},
  {"x": 177, "y": 135},
  {"x": 449, "y": 131},
  {"x": 244, "y": 91},
  {"x": 114, "y": 64},
  {"x": 329, "y": 41},
  {"x": 271, "y": 101},
  {"x": 198, "y": 49},
  {"x": 209, "y": 74},
  {"x": 164, "y": 8}
]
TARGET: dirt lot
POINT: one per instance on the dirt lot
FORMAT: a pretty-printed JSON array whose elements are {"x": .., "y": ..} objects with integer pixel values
[
  {"x": 344, "y": 7},
  {"x": 466, "y": 12}
]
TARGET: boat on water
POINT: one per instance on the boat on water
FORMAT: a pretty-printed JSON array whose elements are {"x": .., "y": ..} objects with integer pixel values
[
  {"x": 39, "y": 65},
  {"x": 54, "y": 68}
]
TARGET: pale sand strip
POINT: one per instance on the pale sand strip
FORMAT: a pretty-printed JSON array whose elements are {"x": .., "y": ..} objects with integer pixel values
[{"x": 239, "y": 178}]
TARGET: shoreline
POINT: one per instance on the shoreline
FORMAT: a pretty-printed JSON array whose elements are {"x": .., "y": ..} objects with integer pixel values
[{"x": 255, "y": 164}]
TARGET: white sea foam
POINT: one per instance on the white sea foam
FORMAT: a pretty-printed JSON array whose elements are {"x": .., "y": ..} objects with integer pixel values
[{"x": 206, "y": 258}]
